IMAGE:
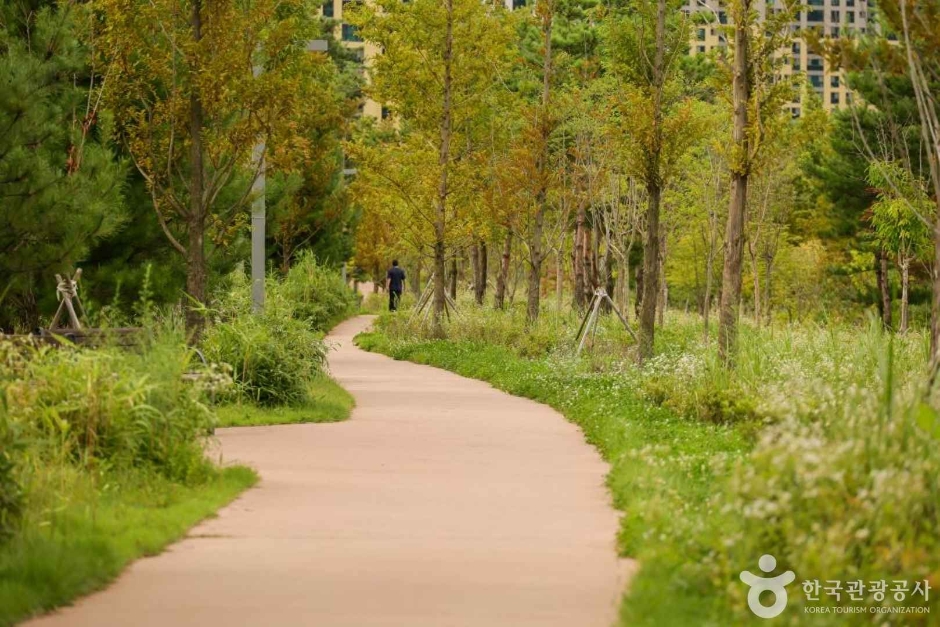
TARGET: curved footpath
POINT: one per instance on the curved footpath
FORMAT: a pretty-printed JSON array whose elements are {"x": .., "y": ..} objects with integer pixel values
[{"x": 441, "y": 502}]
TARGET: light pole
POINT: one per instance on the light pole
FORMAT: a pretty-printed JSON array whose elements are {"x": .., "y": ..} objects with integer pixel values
[{"x": 258, "y": 209}]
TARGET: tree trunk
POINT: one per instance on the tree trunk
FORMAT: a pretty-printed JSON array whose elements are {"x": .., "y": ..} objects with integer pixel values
[
  {"x": 734, "y": 234},
  {"x": 884, "y": 288},
  {"x": 560, "y": 276},
  {"x": 638, "y": 305},
  {"x": 731, "y": 274},
  {"x": 196, "y": 270},
  {"x": 484, "y": 272},
  {"x": 499, "y": 300},
  {"x": 625, "y": 288},
  {"x": 452, "y": 287},
  {"x": 663, "y": 298},
  {"x": 535, "y": 243},
  {"x": 587, "y": 265},
  {"x": 654, "y": 189},
  {"x": 596, "y": 280},
  {"x": 650, "y": 275},
  {"x": 475, "y": 265},
  {"x": 756, "y": 281},
  {"x": 607, "y": 274},
  {"x": 415, "y": 274},
  {"x": 707, "y": 305},
  {"x": 535, "y": 267},
  {"x": 768, "y": 288},
  {"x": 578, "y": 258},
  {"x": 905, "y": 264},
  {"x": 444, "y": 163}
]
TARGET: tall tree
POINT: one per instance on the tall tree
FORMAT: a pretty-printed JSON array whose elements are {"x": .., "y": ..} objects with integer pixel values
[
  {"x": 901, "y": 219},
  {"x": 758, "y": 97},
  {"x": 657, "y": 120},
  {"x": 60, "y": 184},
  {"x": 435, "y": 73},
  {"x": 195, "y": 89}
]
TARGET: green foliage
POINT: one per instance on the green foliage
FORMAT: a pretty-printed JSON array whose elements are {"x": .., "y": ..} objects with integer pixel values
[
  {"x": 272, "y": 357},
  {"x": 59, "y": 180},
  {"x": 275, "y": 354},
  {"x": 107, "y": 407},
  {"x": 317, "y": 294},
  {"x": 11, "y": 492},
  {"x": 902, "y": 217},
  {"x": 102, "y": 460},
  {"x": 825, "y": 455}
]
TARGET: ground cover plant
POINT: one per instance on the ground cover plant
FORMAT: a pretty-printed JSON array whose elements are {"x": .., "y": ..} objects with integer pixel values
[
  {"x": 819, "y": 450},
  {"x": 277, "y": 358},
  {"x": 103, "y": 462},
  {"x": 107, "y": 452}
]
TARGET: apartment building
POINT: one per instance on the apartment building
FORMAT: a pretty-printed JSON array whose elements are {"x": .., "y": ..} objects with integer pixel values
[
  {"x": 364, "y": 51},
  {"x": 346, "y": 33},
  {"x": 833, "y": 18}
]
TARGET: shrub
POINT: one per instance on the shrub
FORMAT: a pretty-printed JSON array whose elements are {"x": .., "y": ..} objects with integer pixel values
[
  {"x": 272, "y": 357},
  {"x": 316, "y": 294},
  {"x": 106, "y": 406}
]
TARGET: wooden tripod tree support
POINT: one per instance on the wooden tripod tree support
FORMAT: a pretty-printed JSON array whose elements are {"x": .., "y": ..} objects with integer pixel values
[
  {"x": 589, "y": 322},
  {"x": 67, "y": 293},
  {"x": 423, "y": 311}
]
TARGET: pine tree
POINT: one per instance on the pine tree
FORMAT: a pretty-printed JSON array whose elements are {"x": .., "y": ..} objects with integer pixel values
[{"x": 60, "y": 184}]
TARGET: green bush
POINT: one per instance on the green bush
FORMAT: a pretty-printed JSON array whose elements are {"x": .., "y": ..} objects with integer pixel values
[
  {"x": 85, "y": 407},
  {"x": 273, "y": 358},
  {"x": 317, "y": 295}
]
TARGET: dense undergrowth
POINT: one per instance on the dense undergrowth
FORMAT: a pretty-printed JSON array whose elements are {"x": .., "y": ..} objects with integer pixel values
[
  {"x": 821, "y": 448},
  {"x": 103, "y": 451}
]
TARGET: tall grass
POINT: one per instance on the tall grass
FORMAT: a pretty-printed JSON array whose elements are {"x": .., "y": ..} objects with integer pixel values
[{"x": 273, "y": 355}]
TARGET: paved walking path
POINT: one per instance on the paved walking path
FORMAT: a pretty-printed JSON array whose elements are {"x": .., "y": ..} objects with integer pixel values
[{"x": 441, "y": 503}]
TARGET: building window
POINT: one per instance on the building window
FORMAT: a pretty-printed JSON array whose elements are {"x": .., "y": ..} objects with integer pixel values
[
  {"x": 834, "y": 16},
  {"x": 328, "y": 8},
  {"x": 701, "y": 49},
  {"x": 701, "y": 34},
  {"x": 350, "y": 33},
  {"x": 834, "y": 98},
  {"x": 816, "y": 81},
  {"x": 517, "y": 4},
  {"x": 386, "y": 112},
  {"x": 815, "y": 16},
  {"x": 834, "y": 82}
]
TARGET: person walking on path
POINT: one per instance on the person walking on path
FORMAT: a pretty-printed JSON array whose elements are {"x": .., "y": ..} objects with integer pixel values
[{"x": 395, "y": 283}]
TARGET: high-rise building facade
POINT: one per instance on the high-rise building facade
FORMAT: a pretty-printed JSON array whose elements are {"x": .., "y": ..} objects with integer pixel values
[
  {"x": 831, "y": 18},
  {"x": 364, "y": 51}
]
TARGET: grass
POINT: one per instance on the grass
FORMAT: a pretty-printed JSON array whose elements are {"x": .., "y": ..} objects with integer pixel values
[
  {"x": 86, "y": 543},
  {"x": 819, "y": 448},
  {"x": 328, "y": 403},
  {"x": 663, "y": 467}
]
